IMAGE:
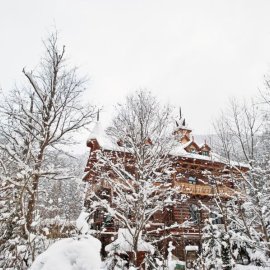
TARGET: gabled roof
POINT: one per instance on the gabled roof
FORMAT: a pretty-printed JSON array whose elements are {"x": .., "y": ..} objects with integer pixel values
[
  {"x": 205, "y": 145},
  {"x": 185, "y": 137},
  {"x": 99, "y": 135},
  {"x": 191, "y": 143},
  {"x": 105, "y": 142}
]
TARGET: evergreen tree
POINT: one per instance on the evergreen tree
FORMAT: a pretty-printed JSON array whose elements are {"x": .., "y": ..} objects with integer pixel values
[
  {"x": 226, "y": 252},
  {"x": 211, "y": 256}
]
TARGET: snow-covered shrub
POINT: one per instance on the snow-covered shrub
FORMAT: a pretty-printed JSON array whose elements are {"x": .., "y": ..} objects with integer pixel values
[{"x": 80, "y": 253}]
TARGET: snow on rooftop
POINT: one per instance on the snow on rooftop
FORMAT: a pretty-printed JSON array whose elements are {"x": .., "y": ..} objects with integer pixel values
[
  {"x": 186, "y": 144},
  {"x": 124, "y": 243},
  {"x": 179, "y": 151},
  {"x": 106, "y": 143},
  {"x": 201, "y": 145},
  {"x": 98, "y": 133},
  {"x": 181, "y": 123}
]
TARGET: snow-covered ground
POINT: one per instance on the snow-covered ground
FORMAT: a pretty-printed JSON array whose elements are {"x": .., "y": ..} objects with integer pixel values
[
  {"x": 251, "y": 267},
  {"x": 80, "y": 253},
  {"x": 83, "y": 252}
]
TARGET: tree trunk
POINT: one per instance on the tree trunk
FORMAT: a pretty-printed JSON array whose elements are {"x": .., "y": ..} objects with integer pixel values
[{"x": 33, "y": 195}]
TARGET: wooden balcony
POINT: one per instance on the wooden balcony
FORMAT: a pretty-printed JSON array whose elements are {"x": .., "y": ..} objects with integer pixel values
[
  {"x": 185, "y": 188},
  {"x": 205, "y": 190}
]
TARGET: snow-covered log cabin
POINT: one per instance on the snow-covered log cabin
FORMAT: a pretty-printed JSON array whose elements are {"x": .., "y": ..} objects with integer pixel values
[{"x": 200, "y": 176}]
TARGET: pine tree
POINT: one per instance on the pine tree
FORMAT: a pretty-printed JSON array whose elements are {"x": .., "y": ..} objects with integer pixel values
[
  {"x": 226, "y": 252},
  {"x": 211, "y": 256}
]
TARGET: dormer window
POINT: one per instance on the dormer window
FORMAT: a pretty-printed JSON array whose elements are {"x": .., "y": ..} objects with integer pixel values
[
  {"x": 205, "y": 153},
  {"x": 191, "y": 147},
  {"x": 205, "y": 150}
]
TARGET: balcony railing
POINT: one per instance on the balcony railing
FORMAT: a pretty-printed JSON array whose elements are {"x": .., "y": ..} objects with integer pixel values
[
  {"x": 186, "y": 188},
  {"x": 207, "y": 190}
]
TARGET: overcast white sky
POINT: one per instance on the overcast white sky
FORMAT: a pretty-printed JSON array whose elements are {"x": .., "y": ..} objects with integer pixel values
[{"x": 194, "y": 54}]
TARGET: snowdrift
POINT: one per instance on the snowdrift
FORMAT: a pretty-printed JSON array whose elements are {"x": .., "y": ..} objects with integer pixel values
[{"x": 81, "y": 253}]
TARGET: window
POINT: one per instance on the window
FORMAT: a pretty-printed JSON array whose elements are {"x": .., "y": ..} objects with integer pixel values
[
  {"x": 205, "y": 153},
  {"x": 212, "y": 181},
  {"x": 192, "y": 180},
  {"x": 194, "y": 214},
  {"x": 169, "y": 213},
  {"x": 107, "y": 220},
  {"x": 216, "y": 217}
]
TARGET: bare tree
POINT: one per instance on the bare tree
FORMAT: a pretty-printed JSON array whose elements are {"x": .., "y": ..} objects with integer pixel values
[
  {"x": 240, "y": 131},
  {"x": 137, "y": 172},
  {"x": 62, "y": 199},
  {"x": 37, "y": 120}
]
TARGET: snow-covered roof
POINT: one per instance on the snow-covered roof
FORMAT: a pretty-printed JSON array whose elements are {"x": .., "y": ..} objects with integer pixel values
[
  {"x": 202, "y": 145},
  {"x": 106, "y": 143},
  {"x": 124, "y": 243},
  {"x": 98, "y": 133},
  {"x": 187, "y": 144},
  {"x": 181, "y": 123},
  {"x": 213, "y": 157}
]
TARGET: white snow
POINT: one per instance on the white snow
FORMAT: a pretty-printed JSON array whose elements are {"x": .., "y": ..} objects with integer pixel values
[
  {"x": 180, "y": 124},
  {"x": 191, "y": 248},
  {"x": 124, "y": 243},
  {"x": 70, "y": 254},
  {"x": 46, "y": 230},
  {"x": 98, "y": 133},
  {"x": 250, "y": 267},
  {"x": 81, "y": 223}
]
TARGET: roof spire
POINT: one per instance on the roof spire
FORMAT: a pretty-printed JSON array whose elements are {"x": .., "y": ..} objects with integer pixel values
[
  {"x": 180, "y": 113},
  {"x": 98, "y": 115}
]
